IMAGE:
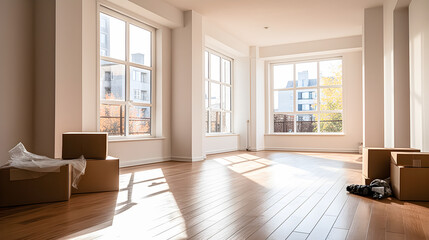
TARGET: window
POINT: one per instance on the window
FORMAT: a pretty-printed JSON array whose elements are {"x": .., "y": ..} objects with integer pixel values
[
  {"x": 126, "y": 75},
  {"x": 218, "y": 93},
  {"x": 307, "y": 97}
]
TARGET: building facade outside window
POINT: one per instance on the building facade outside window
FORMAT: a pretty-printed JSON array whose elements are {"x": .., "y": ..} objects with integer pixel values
[
  {"x": 126, "y": 74},
  {"x": 218, "y": 92},
  {"x": 306, "y": 97}
]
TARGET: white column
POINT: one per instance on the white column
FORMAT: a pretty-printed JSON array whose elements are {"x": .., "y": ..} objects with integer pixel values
[
  {"x": 187, "y": 89},
  {"x": 373, "y": 78}
]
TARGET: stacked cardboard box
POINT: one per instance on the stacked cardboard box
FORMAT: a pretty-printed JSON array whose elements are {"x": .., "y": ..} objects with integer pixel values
[
  {"x": 409, "y": 173},
  {"x": 376, "y": 162},
  {"x": 102, "y": 171},
  {"x": 101, "y": 174}
]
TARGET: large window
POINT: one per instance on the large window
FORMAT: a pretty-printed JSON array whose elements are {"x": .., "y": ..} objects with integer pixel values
[
  {"x": 306, "y": 97},
  {"x": 218, "y": 93},
  {"x": 126, "y": 75}
]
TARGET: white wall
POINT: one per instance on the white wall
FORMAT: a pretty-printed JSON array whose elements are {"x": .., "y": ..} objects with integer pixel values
[
  {"x": 44, "y": 78},
  {"x": 225, "y": 43},
  {"x": 187, "y": 89},
  {"x": 388, "y": 8},
  {"x": 373, "y": 78},
  {"x": 76, "y": 81},
  {"x": 68, "y": 70},
  {"x": 16, "y": 68},
  {"x": 419, "y": 73},
  {"x": 401, "y": 78},
  {"x": 352, "y": 97}
]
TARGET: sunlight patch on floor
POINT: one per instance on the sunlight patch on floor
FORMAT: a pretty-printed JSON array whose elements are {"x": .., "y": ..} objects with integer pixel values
[{"x": 147, "y": 193}]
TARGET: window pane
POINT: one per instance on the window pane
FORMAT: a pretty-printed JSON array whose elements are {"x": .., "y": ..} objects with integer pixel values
[
  {"x": 331, "y": 72},
  {"x": 306, "y": 74},
  {"x": 215, "y": 95},
  {"x": 214, "y": 67},
  {"x": 112, "y": 37},
  {"x": 206, "y": 120},
  {"x": 206, "y": 64},
  {"x": 306, "y": 100},
  {"x": 283, "y": 76},
  {"x": 306, "y": 123},
  {"x": 139, "y": 120},
  {"x": 226, "y": 122},
  {"x": 284, "y": 123},
  {"x": 140, "y": 85},
  {"x": 226, "y": 71},
  {"x": 140, "y": 46},
  {"x": 331, "y": 122},
  {"x": 112, "y": 79},
  {"x": 215, "y": 122},
  {"x": 283, "y": 101},
  {"x": 112, "y": 119},
  {"x": 226, "y": 98},
  {"x": 331, "y": 99},
  {"x": 206, "y": 94}
]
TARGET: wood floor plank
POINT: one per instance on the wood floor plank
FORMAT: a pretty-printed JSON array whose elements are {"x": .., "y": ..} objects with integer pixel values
[
  {"x": 345, "y": 218},
  {"x": 360, "y": 224},
  {"x": 323, "y": 227},
  {"x": 290, "y": 224},
  {"x": 378, "y": 221},
  {"x": 297, "y": 236},
  {"x": 413, "y": 228},
  {"x": 338, "y": 234}
]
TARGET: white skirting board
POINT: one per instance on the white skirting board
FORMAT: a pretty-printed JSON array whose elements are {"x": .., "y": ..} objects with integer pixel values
[
  {"x": 137, "y": 162},
  {"x": 342, "y": 150}
]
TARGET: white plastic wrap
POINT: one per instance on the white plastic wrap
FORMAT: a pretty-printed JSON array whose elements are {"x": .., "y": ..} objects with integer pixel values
[{"x": 22, "y": 159}]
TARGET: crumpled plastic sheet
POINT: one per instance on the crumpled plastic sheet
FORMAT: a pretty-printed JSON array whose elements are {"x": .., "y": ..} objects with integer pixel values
[{"x": 22, "y": 159}]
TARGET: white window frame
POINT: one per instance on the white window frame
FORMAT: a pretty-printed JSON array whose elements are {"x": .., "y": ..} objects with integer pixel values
[
  {"x": 295, "y": 89},
  {"x": 222, "y": 83},
  {"x": 127, "y": 103}
]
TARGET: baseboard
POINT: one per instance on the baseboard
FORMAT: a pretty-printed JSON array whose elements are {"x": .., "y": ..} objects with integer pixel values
[
  {"x": 290, "y": 149},
  {"x": 222, "y": 151},
  {"x": 186, "y": 159},
  {"x": 256, "y": 149},
  {"x": 142, "y": 161}
]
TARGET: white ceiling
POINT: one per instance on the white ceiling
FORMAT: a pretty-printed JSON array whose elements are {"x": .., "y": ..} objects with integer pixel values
[{"x": 288, "y": 20}]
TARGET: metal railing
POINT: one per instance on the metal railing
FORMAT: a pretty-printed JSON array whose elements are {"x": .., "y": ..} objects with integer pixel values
[{"x": 301, "y": 126}]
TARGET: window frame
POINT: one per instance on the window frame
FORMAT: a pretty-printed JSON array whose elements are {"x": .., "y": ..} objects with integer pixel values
[
  {"x": 127, "y": 103},
  {"x": 295, "y": 90},
  {"x": 209, "y": 109}
]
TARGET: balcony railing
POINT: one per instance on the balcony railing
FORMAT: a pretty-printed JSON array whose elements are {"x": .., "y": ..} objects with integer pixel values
[
  {"x": 304, "y": 126},
  {"x": 115, "y": 126}
]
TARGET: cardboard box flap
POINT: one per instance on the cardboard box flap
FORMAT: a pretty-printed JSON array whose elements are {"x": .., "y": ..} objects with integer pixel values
[{"x": 410, "y": 159}]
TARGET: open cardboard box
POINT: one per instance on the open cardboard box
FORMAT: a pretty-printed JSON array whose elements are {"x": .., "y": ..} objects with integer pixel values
[
  {"x": 376, "y": 161},
  {"x": 410, "y": 176},
  {"x": 51, "y": 187}
]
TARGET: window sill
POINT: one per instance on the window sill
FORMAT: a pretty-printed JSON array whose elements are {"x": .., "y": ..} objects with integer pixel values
[
  {"x": 132, "y": 139},
  {"x": 222, "y": 135},
  {"x": 305, "y": 134}
]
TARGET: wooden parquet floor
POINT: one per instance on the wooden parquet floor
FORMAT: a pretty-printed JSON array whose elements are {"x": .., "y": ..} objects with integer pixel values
[{"x": 237, "y": 195}]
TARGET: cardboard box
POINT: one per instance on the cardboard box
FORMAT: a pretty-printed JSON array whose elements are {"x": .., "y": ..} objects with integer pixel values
[
  {"x": 100, "y": 176},
  {"x": 376, "y": 161},
  {"x": 51, "y": 187},
  {"x": 92, "y": 145},
  {"x": 409, "y": 183},
  {"x": 410, "y": 159},
  {"x": 365, "y": 180}
]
